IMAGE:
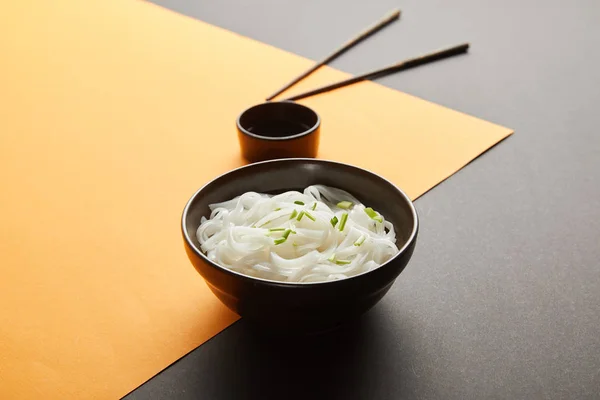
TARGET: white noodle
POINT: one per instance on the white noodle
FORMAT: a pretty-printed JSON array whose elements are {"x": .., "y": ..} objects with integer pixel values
[{"x": 255, "y": 234}]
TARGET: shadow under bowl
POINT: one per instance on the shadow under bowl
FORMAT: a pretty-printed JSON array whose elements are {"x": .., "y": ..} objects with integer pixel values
[{"x": 301, "y": 307}]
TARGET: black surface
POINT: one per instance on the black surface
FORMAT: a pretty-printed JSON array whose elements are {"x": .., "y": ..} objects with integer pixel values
[{"x": 502, "y": 297}]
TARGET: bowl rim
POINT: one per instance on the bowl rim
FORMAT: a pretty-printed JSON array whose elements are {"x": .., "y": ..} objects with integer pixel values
[
  {"x": 307, "y": 132},
  {"x": 409, "y": 242}
]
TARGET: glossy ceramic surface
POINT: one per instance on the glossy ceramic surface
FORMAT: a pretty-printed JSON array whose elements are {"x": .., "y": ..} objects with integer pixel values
[
  {"x": 301, "y": 307},
  {"x": 278, "y": 130}
]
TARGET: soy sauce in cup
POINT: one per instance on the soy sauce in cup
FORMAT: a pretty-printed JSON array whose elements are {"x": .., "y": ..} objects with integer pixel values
[{"x": 278, "y": 130}]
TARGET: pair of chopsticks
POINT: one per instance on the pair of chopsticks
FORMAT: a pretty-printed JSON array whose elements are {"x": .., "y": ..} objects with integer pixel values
[{"x": 378, "y": 73}]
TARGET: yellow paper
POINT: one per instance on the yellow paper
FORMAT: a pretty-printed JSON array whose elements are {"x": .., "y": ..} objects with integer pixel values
[{"x": 112, "y": 113}]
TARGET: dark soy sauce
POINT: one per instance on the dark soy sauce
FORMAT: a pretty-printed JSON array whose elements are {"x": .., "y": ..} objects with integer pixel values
[{"x": 277, "y": 128}]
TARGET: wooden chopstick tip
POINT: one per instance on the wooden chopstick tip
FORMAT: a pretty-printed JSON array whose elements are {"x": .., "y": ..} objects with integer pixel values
[{"x": 461, "y": 48}]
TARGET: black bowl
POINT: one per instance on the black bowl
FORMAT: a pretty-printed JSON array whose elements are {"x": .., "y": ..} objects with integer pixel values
[
  {"x": 301, "y": 307},
  {"x": 278, "y": 129}
]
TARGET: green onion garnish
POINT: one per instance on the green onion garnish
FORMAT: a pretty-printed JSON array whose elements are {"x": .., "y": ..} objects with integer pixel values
[
  {"x": 294, "y": 214},
  {"x": 300, "y": 216},
  {"x": 343, "y": 221},
  {"x": 314, "y": 207},
  {"x": 300, "y": 203},
  {"x": 342, "y": 262},
  {"x": 277, "y": 209},
  {"x": 373, "y": 214},
  {"x": 338, "y": 262},
  {"x": 309, "y": 216},
  {"x": 284, "y": 237},
  {"x": 360, "y": 241},
  {"x": 334, "y": 221},
  {"x": 276, "y": 229},
  {"x": 344, "y": 204}
]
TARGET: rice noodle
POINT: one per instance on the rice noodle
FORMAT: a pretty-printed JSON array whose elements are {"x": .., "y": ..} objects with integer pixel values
[{"x": 297, "y": 237}]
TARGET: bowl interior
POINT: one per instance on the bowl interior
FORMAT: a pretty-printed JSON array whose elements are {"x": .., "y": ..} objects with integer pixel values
[
  {"x": 278, "y": 120},
  {"x": 296, "y": 174}
]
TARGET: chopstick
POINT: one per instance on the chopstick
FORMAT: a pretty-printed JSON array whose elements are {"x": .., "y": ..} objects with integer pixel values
[
  {"x": 400, "y": 66},
  {"x": 385, "y": 21}
]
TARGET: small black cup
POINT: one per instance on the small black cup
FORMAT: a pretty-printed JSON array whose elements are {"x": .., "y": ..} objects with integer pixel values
[{"x": 276, "y": 130}]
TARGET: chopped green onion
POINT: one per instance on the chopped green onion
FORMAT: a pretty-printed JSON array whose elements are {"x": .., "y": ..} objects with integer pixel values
[
  {"x": 338, "y": 262},
  {"x": 284, "y": 237},
  {"x": 271, "y": 230},
  {"x": 277, "y": 209},
  {"x": 343, "y": 221},
  {"x": 344, "y": 204},
  {"x": 309, "y": 216},
  {"x": 314, "y": 207},
  {"x": 370, "y": 212},
  {"x": 360, "y": 240},
  {"x": 373, "y": 214},
  {"x": 334, "y": 221},
  {"x": 300, "y": 216},
  {"x": 294, "y": 214},
  {"x": 300, "y": 203}
]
